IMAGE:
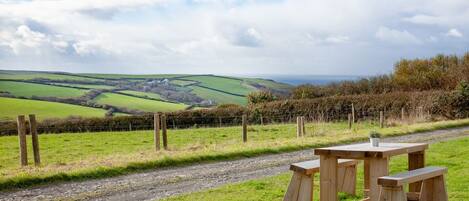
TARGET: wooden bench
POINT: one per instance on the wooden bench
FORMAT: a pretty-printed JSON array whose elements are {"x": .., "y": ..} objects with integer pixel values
[
  {"x": 301, "y": 184},
  {"x": 433, "y": 185}
]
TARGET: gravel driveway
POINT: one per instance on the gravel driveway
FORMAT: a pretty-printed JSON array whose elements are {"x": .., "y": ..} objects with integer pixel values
[{"x": 161, "y": 183}]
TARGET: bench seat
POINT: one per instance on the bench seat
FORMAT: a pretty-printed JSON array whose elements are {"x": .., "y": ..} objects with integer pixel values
[{"x": 311, "y": 167}]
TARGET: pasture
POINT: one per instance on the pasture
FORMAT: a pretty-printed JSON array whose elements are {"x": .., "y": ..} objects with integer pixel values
[
  {"x": 11, "y": 107},
  {"x": 219, "y": 97},
  {"x": 22, "y": 89},
  {"x": 231, "y": 85},
  {"x": 451, "y": 154},
  {"x": 142, "y": 94},
  {"x": 135, "y": 103},
  {"x": 93, "y": 155},
  {"x": 28, "y": 75}
]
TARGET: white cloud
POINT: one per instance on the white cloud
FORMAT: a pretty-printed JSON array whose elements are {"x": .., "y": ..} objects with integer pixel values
[
  {"x": 454, "y": 33},
  {"x": 337, "y": 39},
  {"x": 396, "y": 36}
]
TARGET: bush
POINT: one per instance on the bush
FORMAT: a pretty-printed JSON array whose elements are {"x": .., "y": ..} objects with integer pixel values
[{"x": 257, "y": 97}]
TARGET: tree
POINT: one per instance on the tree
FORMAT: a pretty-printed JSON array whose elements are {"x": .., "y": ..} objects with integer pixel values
[{"x": 260, "y": 97}]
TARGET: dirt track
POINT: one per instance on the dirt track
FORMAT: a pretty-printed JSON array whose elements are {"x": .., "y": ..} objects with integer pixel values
[{"x": 161, "y": 183}]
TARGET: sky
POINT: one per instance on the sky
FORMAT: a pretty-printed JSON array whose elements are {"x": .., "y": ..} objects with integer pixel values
[{"x": 230, "y": 37}]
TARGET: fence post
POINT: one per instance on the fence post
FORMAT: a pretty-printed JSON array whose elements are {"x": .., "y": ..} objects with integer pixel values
[
  {"x": 298, "y": 127},
  {"x": 165, "y": 133},
  {"x": 402, "y": 113},
  {"x": 262, "y": 120},
  {"x": 303, "y": 128},
  {"x": 220, "y": 122},
  {"x": 156, "y": 126},
  {"x": 35, "y": 139},
  {"x": 353, "y": 113},
  {"x": 381, "y": 119},
  {"x": 245, "y": 128},
  {"x": 350, "y": 121},
  {"x": 22, "y": 139}
]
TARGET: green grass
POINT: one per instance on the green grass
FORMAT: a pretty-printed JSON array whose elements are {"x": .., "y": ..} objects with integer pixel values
[
  {"x": 11, "y": 107},
  {"x": 142, "y": 94},
  {"x": 28, "y": 75},
  {"x": 224, "y": 84},
  {"x": 95, "y": 155},
  {"x": 138, "y": 103},
  {"x": 123, "y": 76},
  {"x": 218, "y": 97},
  {"x": 268, "y": 83},
  {"x": 89, "y": 86},
  {"x": 451, "y": 154},
  {"x": 22, "y": 89},
  {"x": 182, "y": 83}
]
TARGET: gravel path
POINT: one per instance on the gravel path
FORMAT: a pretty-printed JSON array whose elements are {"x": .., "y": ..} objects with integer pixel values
[{"x": 162, "y": 183}]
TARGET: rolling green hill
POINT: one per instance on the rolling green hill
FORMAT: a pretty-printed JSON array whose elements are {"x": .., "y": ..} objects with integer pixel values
[
  {"x": 138, "y": 103},
  {"x": 22, "y": 89},
  {"x": 12, "y": 107},
  {"x": 132, "y": 94}
]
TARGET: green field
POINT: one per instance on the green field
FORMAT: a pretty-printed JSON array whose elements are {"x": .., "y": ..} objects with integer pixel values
[
  {"x": 28, "y": 75},
  {"x": 268, "y": 83},
  {"x": 22, "y": 89},
  {"x": 224, "y": 84},
  {"x": 127, "y": 76},
  {"x": 93, "y": 155},
  {"x": 182, "y": 83},
  {"x": 137, "y": 103},
  {"x": 142, "y": 94},
  {"x": 89, "y": 86},
  {"x": 218, "y": 97},
  {"x": 12, "y": 107},
  {"x": 451, "y": 154}
]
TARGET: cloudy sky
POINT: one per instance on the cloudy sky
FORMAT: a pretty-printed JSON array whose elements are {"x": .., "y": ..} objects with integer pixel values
[{"x": 333, "y": 37}]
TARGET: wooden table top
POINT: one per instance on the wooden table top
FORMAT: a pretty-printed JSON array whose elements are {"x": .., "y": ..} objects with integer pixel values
[{"x": 365, "y": 150}]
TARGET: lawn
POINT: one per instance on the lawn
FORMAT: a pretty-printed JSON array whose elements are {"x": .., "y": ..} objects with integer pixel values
[
  {"x": 218, "y": 97},
  {"x": 451, "y": 154},
  {"x": 141, "y": 104},
  {"x": 22, "y": 89},
  {"x": 93, "y": 155},
  {"x": 142, "y": 94},
  {"x": 11, "y": 107},
  {"x": 224, "y": 84}
]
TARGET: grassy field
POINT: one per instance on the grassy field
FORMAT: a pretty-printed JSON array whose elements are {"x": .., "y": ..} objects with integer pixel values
[
  {"x": 182, "y": 83},
  {"x": 11, "y": 107},
  {"x": 28, "y": 75},
  {"x": 89, "y": 86},
  {"x": 93, "y": 155},
  {"x": 224, "y": 84},
  {"x": 137, "y": 103},
  {"x": 142, "y": 94},
  {"x": 451, "y": 154},
  {"x": 219, "y": 97},
  {"x": 22, "y": 89},
  {"x": 124, "y": 76}
]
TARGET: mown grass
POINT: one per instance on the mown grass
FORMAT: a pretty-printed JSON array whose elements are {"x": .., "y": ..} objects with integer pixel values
[
  {"x": 10, "y": 108},
  {"x": 218, "y": 97},
  {"x": 22, "y": 89},
  {"x": 95, "y": 155},
  {"x": 451, "y": 154},
  {"x": 138, "y": 103}
]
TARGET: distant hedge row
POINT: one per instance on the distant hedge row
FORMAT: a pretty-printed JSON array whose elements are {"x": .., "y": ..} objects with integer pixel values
[{"x": 438, "y": 103}]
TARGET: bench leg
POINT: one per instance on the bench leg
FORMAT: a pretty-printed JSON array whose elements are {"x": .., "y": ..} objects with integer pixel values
[
  {"x": 395, "y": 193},
  {"x": 347, "y": 179},
  {"x": 434, "y": 190},
  {"x": 300, "y": 188}
]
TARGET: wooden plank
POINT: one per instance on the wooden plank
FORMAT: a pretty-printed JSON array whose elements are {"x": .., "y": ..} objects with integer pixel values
[
  {"x": 156, "y": 126},
  {"x": 22, "y": 140},
  {"x": 34, "y": 139},
  {"x": 306, "y": 189},
  {"x": 349, "y": 121},
  {"x": 245, "y": 128},
  {"x": 328, "y": 178},
  {"x": 379, "y": 167},
  {"x": 412, "y": 176},
  {"x": 347, "y": 179},
  {"x": 381, "y": 119},
  {"x": 366, "y": 182},
  {"x": 395, "y": 193},
  {"x": 165, "y": 132},
  {"x": 298, "y": 127},
  {"x": 353, "y": 113},
  {"x": 312, "y": 166},
  {"x": 364, "y": 150},
  {"x": 416, "y": 160},
  {"x": 293, "y": 188},
  {"x": 303, "y": 128},
  {"x": 439, "y": 192}
]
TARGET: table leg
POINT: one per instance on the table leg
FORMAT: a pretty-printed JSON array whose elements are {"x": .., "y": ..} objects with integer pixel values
[
  {"x": 416, "y": 160},
  {"x": 378, "y": 168},
  {"x": 366, "y": 182},
  {"x": 328, "y": 178}
]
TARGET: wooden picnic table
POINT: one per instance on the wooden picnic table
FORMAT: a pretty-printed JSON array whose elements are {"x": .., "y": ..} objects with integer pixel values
[{"x": 376, "y": 163}]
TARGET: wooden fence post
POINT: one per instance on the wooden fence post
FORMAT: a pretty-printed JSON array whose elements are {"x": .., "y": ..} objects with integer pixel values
[
  {"x": 262, "y": 120},
  {"x": 22, "y": 138},
  {"x": 303, "y": 128},
  {"x": 245, "y": 128},
  {"x": 298, "y": 126},
  {"x": 402, "y": 113},
  {"x": 381, "y": 119},
  {"x": 353, "y": 113},
  {"x": 156, "y": 126},
  {"x": 35, "y": 139},
  {"x": 350, "y": 121},
  {"x": 165, "y": 133},
  {"x": 220, "y": 122}
]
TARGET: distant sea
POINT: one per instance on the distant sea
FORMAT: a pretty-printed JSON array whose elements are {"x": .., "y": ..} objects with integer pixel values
[{"x": 309, "y": 79}]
